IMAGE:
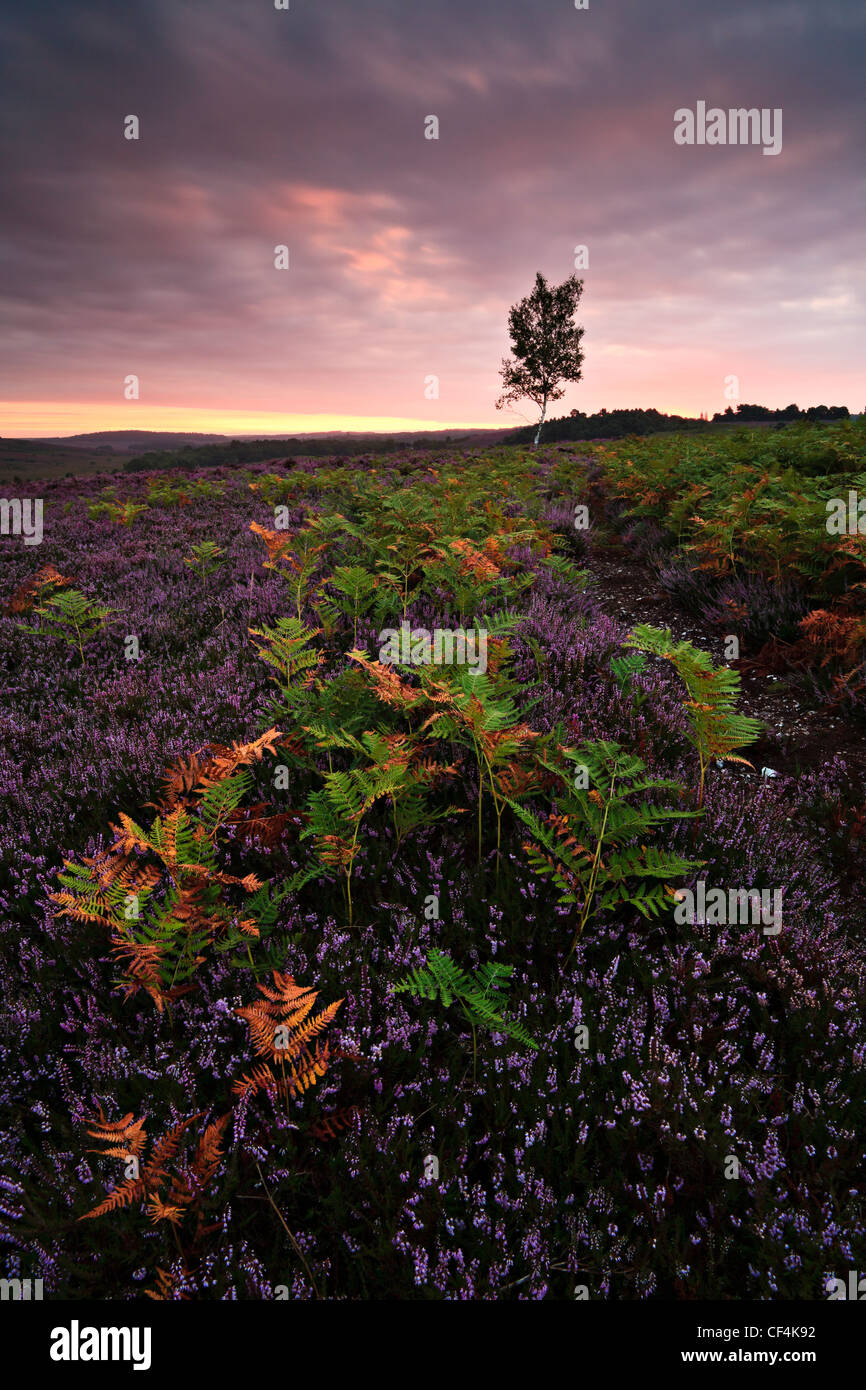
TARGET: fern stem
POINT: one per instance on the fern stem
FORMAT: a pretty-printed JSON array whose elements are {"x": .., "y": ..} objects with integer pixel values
[
  {"x": 480, "y": 790},
  {"x": 301, "y": 1255},
  {"x": 286, "y": 1085},
  {"x": 594, "y": 873},
  {"x": 474, "y": 1042}
]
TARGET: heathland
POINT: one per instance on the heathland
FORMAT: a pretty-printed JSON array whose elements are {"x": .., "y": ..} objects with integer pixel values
[{"x": 332, "y": 970}]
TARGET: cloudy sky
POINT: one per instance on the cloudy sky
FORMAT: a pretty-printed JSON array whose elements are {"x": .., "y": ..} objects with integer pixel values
[{"x": 306, "y": 128}]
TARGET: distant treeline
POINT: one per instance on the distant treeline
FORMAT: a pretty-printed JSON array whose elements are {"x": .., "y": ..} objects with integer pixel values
[
  {"x": 791, "y": 412},
  {"x": 615, "y": 424},
  {"x": 607, "y": 424},
  {"x": 256, "y": 450}
]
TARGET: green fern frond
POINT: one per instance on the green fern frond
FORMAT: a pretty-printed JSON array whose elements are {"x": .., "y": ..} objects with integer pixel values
[{"x": 444, "y": 981}]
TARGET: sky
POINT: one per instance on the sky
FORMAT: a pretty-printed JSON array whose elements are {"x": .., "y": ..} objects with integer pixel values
[{"x": 716, "y": 273}]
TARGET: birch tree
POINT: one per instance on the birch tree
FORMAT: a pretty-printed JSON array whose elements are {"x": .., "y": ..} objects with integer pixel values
[{"x": 546, "y": 346}]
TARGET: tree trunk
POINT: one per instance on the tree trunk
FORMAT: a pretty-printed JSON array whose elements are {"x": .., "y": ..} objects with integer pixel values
[{"x": 540, "y": 423}]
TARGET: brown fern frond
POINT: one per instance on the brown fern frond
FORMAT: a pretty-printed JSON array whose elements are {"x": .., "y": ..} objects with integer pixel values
[
  {"x": 562, "y": 830},
  {"x": 254, "y": 823},
  {"x": 334, "y": 851},
  {"x": 110, "y": 866},
  {"x": 286, "y": 1006},
  {"x": 137, "y": 878},
  {"x": 209, "y": 1154},
  {"x": 170, "y": 825},
  {"x": 835, "y": 635},
  {"x": 348, "y": 1054},
  {"x": 179, "y": 779},
  {"x": 329, "y": 1126},
  {"x": 154, "y": 1171},
  {"x": 517, "y": 782},
  {"x": 191, "y": 906},
  {"x": 261, "y": 1028},
  {"x": 25, "y": 596},
  {"x": 191, "y": 776}
]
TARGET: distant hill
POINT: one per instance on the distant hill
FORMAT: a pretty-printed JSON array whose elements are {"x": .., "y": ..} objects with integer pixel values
[
  {"x": 137, "y": 441},
  {"x": 132, "y": 441},
  {"x": 107, "y": 451}
]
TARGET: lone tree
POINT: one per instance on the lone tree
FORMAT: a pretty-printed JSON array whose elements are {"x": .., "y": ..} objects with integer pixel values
[{"x": 546, "y": 346}]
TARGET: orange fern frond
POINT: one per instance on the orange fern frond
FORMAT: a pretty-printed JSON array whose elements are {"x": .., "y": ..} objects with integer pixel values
[
  {"x": 164, "y": 1151},
  {"x": 127, "y": 1192},
  {"x": 315, "y": 1025},
  {"x": 158, "y": 1210},
  {"x": 313, "y": 1066},
  {"x": 248, "y": 927},
  {"x": 226, "y": 760},
  {"x": 285, "y": 1008},
  {"x": 166, "y": 1284},
  {"x": 285, "y": 992},
  {"x": 179, "y": 779},
  {"x": 275, "y": 541},
  {"x": 126, "y": 1137},
  {"x": 142, "y": 959},
  {"x": 389, "y": 688},
  {"x": 129, "y": 838},
  {"x": 261, "y": 1079},
  {"x": 69, "y": 906},
  {"x": 193, "y": 775},
  {"x": 473, "y": 561}
]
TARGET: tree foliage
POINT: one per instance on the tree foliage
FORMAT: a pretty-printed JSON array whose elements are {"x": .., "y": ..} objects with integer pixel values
[{"x": 546, "y": 345}]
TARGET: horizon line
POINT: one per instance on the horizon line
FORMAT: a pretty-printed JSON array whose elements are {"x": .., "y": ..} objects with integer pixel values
[{"x": 254, "y": 424}]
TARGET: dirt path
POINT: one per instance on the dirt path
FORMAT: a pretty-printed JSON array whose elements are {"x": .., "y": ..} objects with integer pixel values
[{"x": 798, "y": 736}]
